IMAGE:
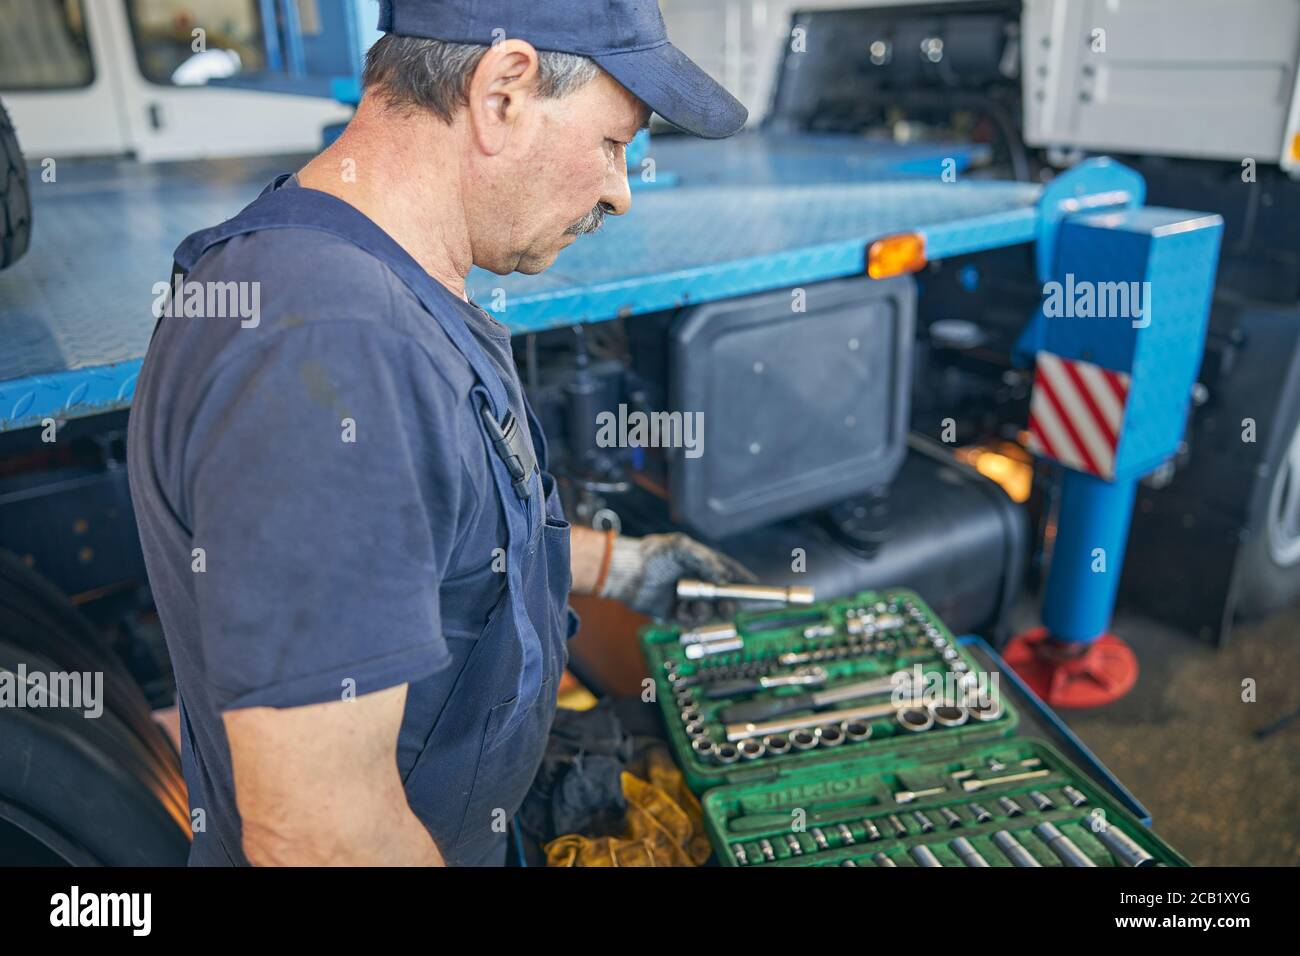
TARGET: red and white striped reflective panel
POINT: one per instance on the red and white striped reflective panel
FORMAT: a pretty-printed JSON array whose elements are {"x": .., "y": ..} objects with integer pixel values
[{"x": 1076, "y": 413}]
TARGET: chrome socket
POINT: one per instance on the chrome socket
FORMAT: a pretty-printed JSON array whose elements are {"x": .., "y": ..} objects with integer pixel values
[
  {"x": 1123, "y": 848},
  {"x": 751, "y": 749},
  {"x": 1060, "y": 844},
  {"x": 924, "y": 856},
  {"x": 1013, "y": 850},
  {"x": 948, "y": 716},
  {"x": 856, "y": 731},
  {"x": 1041, "y": 800},
  {"x": 776, "y": 744},
  {"x": 1010, "y": 807},
  {"x": 830, "y": 736},
  {"x": 726, "y": 753},
  {"x": 703, "y": 747},
  {"x": 803, "y": 739},
  {"x": 914, "y": 719},
  {"x": 967, "y": 853}
]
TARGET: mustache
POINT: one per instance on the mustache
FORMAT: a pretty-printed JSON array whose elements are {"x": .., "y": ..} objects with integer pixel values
[{"x": 590, "y": 222}]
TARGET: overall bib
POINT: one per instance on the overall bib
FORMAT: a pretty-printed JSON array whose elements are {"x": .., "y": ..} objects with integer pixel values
[{"x": 487, "y": 743}]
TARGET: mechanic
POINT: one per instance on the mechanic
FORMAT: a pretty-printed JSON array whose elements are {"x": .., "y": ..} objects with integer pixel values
[{"x": 359, "y": 560}]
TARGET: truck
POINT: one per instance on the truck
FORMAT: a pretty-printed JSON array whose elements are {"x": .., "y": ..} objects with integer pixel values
[{"x": 857, "y": 319}]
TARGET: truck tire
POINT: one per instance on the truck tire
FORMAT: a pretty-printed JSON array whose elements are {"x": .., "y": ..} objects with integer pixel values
[
  {"x": 1269, "y": 565},
  {"x": 82, "y": 785},
  {"x": 15, "y": 203},
  {"x": 36, "y": 615}
]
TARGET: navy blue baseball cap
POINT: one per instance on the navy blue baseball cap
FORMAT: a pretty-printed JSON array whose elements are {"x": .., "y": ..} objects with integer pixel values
[{"x": 626, "y": 37}]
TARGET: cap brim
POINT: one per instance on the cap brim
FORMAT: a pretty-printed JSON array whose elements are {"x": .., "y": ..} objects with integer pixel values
[{"x": 668, "y": 82}]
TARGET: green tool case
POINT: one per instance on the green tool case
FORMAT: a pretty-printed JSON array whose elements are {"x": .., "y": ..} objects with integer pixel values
[{"x": 906, "y": 757}]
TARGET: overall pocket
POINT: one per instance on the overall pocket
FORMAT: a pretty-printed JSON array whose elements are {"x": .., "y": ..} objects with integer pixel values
[
  {"x": 505, "y": 771},
  {"x": 561, "y": 622},
  {"x": 507, "y": 765}
]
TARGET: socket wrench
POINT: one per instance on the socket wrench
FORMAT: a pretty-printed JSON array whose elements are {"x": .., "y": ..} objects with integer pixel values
[{"x": 690, "y": 589}]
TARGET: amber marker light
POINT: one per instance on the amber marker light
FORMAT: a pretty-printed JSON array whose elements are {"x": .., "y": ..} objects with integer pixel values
[{"x": 894, "y": 255}]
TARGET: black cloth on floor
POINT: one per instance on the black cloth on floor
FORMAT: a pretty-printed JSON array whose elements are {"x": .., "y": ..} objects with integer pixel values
[{"x": 578, "y": 787}]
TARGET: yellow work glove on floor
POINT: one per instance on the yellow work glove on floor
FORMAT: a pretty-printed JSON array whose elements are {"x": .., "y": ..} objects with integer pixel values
[{"x": 665, "y": 826}]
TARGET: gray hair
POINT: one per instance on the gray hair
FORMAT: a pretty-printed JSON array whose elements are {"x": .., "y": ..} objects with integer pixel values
[{"x": 413, "y": 73}]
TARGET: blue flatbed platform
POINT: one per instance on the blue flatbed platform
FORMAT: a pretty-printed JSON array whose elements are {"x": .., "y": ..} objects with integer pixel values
[{"x": 753, "y": 213}]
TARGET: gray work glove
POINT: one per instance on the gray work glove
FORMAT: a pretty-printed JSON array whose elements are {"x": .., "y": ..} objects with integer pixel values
[{"x": 643, "y": 572}]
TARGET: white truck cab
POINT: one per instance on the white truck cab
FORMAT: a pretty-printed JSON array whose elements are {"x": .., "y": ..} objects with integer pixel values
[{"x": 154, "y": 78}]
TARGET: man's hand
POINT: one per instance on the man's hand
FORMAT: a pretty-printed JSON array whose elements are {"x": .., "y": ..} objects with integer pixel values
[
  {"x": 643, "y": 572},
  {"x": 318, "y": 785}
]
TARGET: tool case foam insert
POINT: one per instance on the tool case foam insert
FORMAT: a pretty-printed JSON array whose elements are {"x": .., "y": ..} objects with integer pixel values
[{"x": 901, "y": 785}]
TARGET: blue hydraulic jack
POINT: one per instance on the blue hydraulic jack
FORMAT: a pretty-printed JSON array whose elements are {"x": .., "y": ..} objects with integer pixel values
[{"x": 1116, "y": 347}]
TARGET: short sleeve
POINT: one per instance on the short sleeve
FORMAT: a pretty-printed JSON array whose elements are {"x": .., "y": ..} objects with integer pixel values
[{"x": 323, "y": 515}]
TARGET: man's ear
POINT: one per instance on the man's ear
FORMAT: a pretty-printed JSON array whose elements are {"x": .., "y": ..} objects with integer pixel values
[{"x": 500, "y": 89}]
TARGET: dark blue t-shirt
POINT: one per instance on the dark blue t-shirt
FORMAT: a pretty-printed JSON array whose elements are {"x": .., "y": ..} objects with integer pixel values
[{"x": 314, "y": 499}]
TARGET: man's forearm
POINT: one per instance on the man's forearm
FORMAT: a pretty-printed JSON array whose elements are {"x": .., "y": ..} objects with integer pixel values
[{"x": 588, "y": 557}]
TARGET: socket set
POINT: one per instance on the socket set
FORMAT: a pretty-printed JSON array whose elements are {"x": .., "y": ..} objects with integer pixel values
[
  {"x": 798, "y": 686},
  {"x": 1014, "y": 802},
  {"x": 856, "y": 732}
]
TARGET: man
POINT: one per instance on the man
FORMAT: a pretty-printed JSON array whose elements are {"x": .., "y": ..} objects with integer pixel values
[{"x": 359, "y": 561}]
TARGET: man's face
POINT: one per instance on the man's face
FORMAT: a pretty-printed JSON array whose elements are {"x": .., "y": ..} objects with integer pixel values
[{"x": 563, "y": 169}]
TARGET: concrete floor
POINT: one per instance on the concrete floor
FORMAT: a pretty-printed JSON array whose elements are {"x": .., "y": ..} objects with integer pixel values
[{"x": 1183, "y": 740}]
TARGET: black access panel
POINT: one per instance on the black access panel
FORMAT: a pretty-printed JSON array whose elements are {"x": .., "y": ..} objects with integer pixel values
[{"x": 799, "y": 408}]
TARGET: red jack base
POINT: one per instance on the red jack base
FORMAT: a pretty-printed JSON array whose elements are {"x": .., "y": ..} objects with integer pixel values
[{"x": 1069, "y": 674}]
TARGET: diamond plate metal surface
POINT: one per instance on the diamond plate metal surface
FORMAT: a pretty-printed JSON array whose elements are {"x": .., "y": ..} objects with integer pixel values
[
  {"x": 683, "y": 246},
  {"x": 75, "y": 315},
  {"x": 760, "y": 158},
  {"x": 75, "y": 312}
]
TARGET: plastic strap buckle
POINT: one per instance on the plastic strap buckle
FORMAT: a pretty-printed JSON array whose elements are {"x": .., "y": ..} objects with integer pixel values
[{"x": 513, "y": 447}]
